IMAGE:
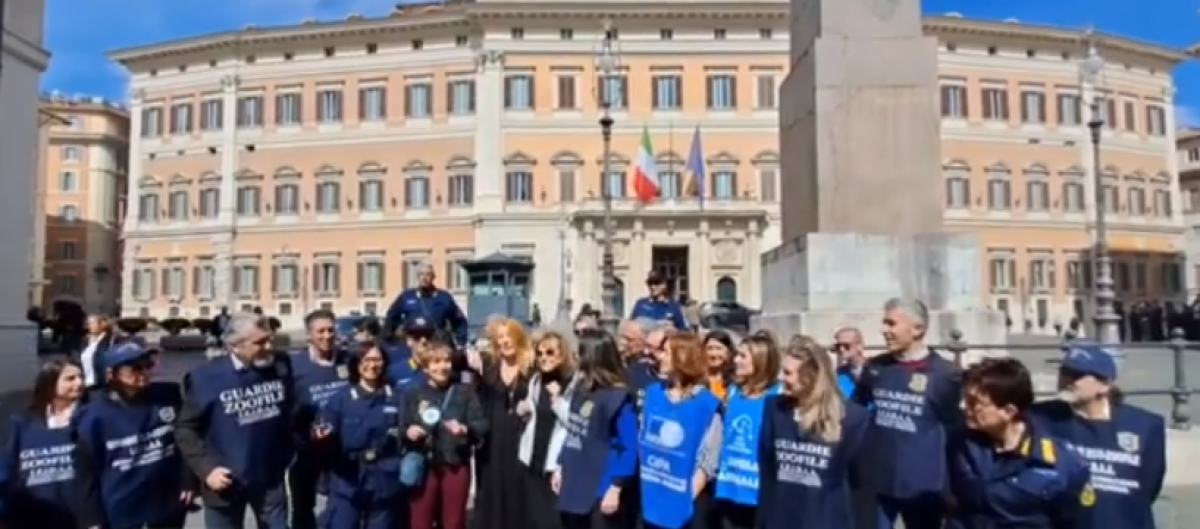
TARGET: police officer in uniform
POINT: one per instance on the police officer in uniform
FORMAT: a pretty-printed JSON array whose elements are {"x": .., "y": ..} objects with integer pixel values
[
  {"x": 1125, "y": 445},
  {"x": 435, "y": 305},
  {"x": 1006, "y": 471},
  {"x": 361, "y": 425},
  {"x": 659, "y": 306}
]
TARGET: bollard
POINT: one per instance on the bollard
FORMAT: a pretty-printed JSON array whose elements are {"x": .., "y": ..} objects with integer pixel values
[
  {"x": 1180, "y": 394},
  {"x": 958, "y": 347}
]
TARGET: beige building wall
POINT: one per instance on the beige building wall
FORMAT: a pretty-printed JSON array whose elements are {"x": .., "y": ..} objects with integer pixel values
[
  {"x": 359, "y": 150},
  {"x": 83, "y": 181}
]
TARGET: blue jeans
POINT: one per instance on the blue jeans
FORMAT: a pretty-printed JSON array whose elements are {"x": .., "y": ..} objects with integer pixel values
[
  {"x": 922, "y": 512},
  {"x": 270, "y": 510}
]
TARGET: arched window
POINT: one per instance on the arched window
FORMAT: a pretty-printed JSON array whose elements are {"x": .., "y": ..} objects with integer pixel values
[{"x": 727, "y": 290}]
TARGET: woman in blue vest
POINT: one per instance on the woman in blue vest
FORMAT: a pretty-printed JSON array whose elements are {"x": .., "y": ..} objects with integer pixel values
[
  {"x": 755, "y": 370},
  {"x": 680, "y": 439},
  {"x": 131, "y": 474},
  {"x": 546, "y": 410},
  {"x": 809, "y": 446},
  {"x": 40, "y": 451},
  {"x": 599, "y": 455},
  {"x": 1125, "y": 445},
  {"x": 360, "y": 423}
]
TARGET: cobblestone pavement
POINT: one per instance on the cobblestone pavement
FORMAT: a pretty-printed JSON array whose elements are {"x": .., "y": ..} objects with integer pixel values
[{"x": 1145, "y": 368}]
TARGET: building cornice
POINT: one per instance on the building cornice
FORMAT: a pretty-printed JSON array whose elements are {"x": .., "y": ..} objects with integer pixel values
[{"x": 404, "y": 23}]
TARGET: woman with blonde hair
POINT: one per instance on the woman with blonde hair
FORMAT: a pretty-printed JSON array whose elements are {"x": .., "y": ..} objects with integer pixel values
[
  {"x": 680, "y": 441},
  {"x": 503, "y": 384},
  {"x": 755, "y": 372},
  {"x": 809, "y": 447},
  {"x": 547, "y": 410}
]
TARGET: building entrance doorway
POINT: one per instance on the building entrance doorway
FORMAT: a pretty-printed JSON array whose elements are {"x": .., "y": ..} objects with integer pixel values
[{"x": 672, "y": 263}]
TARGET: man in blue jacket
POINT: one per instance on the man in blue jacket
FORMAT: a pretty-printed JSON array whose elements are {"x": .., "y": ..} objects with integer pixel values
[
  {"x": 235, "y": 429},
  {"x": 659, "y": 306},
  {"x": 435, "y": 305}
]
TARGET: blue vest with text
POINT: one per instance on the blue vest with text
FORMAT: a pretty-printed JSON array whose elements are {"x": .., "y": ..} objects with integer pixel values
[
  {"x": 139, "y": 466},
  {"x": 737, "y": 477},
  {"x": 249, "y": 426},
  {"x": 41, "y": 472},
  {"x": 803, "y": 476},
  {"x": 1126, "y": 455},
  {"x": 585, "y": 453},
  {"x": 669, "y": 444}
]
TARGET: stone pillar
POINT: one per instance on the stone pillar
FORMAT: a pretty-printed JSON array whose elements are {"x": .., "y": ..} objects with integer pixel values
[
  {"x": 860, "y": 140},
  {"x": 224, "y": 243},
  {"x": 133, "y": 199},
  {"x": 489, "y": 142}
]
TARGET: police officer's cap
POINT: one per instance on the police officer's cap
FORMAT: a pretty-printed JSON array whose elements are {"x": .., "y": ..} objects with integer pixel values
[
  {"x": 417, "y": 327},
  {"x": 1089, "y": 358}
]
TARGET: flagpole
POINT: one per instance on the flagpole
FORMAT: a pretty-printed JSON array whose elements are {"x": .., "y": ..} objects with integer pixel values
[{"x": 671, "y": 149}]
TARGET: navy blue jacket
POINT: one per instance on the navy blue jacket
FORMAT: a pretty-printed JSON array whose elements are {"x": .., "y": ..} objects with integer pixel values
[
  {"x": 39, "y": 474},
  {"x": 128, "y": 468},
  {"x": 241, "y": 418},
  {"x": 366, "y": 443},
  {"x": 915, "y": 409},
  {"x": 659, "y": 310},
  {"x": 438, "y": 307},
  {"x": 1041, "y": 485},
  {"x": 600, "y": 449},
  {"x": 1126, "y": 455},
  {"x": 315, "y": 384}
]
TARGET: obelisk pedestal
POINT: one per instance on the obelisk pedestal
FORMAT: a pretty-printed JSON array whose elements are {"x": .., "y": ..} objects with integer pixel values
[{"x": 860, "y": 141}]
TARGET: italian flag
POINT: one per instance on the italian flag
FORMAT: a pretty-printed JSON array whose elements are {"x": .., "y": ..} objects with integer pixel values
[{"x": 645, "y": 177}]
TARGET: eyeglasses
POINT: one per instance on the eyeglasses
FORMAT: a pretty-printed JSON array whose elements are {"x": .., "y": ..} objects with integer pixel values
[{"x": 548, "y": 353}]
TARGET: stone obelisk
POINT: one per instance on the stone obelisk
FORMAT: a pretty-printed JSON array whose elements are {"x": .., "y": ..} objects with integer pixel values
[{"x": 860, "y": 140}]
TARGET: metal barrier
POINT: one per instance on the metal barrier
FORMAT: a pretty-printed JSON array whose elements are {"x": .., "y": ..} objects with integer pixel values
[{"x": 1178, "y": 346}]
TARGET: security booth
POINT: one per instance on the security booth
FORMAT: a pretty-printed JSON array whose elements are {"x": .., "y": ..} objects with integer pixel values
[{"x": 499, "y": 285}]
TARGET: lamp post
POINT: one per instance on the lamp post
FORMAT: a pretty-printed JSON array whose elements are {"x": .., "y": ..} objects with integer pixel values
[
  {"x": 1104, "y": 294},
  {"x": 607, "y": 65}
]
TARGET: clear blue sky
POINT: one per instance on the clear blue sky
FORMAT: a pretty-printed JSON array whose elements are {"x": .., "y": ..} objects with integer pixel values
[{"x": 81, "y": 31}]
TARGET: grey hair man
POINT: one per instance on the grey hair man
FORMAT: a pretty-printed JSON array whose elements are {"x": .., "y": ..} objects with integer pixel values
[
  {"x": 247, "y": 337},
  {"x": 236, "y": 426},
  {"x": 633, "y": 336},
  {"x": 916, "y": 396},
  {"x": 905, "y": 321}
]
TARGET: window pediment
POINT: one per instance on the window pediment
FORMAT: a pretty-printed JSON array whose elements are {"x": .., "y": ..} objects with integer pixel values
[{"x": 519, "y": 158}]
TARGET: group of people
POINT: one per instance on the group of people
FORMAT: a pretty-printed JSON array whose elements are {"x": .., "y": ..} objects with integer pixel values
[{"x": 657, "y": 426}]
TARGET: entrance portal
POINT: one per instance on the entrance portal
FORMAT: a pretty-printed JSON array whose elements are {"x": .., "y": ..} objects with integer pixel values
[{"x": 672, "y": 263}]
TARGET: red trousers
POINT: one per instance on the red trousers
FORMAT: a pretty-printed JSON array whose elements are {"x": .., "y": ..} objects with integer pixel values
[{"x": 441, "y": 500}]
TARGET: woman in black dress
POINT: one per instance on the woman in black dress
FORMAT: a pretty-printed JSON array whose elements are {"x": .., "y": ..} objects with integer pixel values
[{"x": 499, "y": 475}]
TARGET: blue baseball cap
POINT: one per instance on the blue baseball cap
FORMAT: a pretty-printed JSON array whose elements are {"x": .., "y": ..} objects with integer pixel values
[
  {"x": 126, "y": 353},
  {"x": 1090, "y": 358}
]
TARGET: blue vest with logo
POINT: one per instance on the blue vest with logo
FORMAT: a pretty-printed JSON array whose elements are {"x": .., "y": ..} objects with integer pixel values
[
  {"x": 139, "y": 465},
  {"x": 40, "y": 474},
  {"x": 737, "y": 477},
  {"x": 249, "y": 410},
  {"x": 803, "y": 476},
  {"x": 585, "y": 453},
  {"x": 669, "y": 442}
]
